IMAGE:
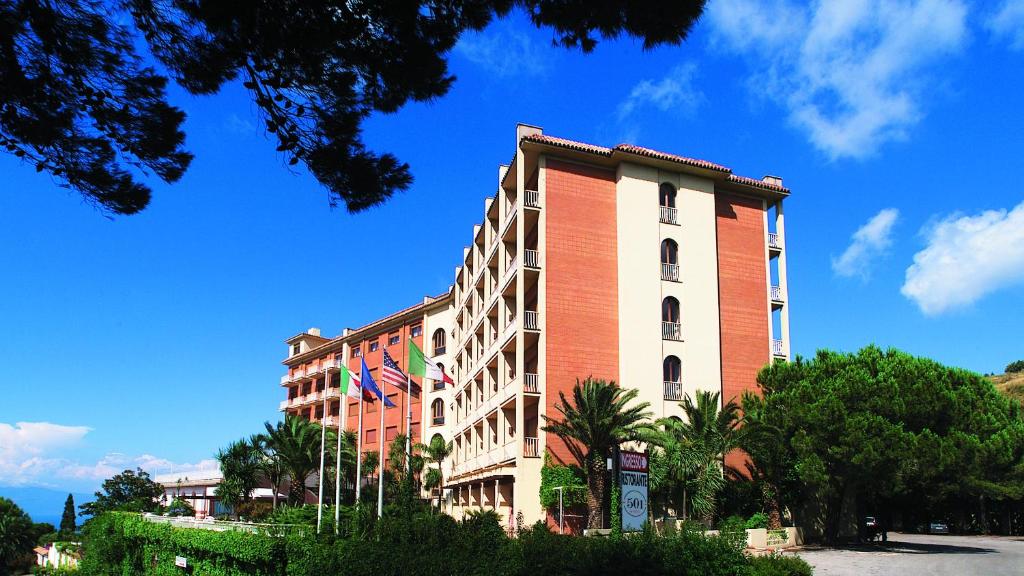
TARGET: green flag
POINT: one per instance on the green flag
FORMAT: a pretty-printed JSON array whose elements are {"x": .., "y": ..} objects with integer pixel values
[{"x": 420, "y": 365}]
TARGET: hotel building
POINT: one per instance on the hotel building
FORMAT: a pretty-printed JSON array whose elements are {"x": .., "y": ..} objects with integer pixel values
[{"x": 617, "y": 263}]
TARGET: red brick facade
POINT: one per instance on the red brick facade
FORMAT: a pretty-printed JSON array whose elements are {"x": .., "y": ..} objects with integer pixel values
[
  {"x": 742, "y": 289},
  {"x": 581, "y": 291}
]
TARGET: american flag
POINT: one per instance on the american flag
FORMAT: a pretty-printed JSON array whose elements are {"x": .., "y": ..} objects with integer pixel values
[{"x": 392, "y": 374}]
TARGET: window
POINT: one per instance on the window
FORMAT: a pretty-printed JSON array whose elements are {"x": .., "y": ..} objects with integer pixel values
[
  {"x": 439, "y": 341},
  {"x": 296, "y": 348},
  {"x": 416, "y": 330},
  {"x": 439, "y": 384},
  {"x": 394, "y": 339},
  {"x": 437, "y": 412},
  {"x": 371, "y": 436},
  {"x": 335, "y": 380},
  {"x": 670, "y": 310},
  {"x": 390, "y": 432},
  {"x": 667, "y": 195},
  {"x": 394, "y": 398},
  {"x": 319, "y": 384},
  {"x": 671, "y": 369},
  {"x": 371, "y": 406},
  {"x": 669, "y": 252},
  {"x": 356, "y": 352},
  {"x": 353, "y": 409},
  {"x": 374, "y": 346}
]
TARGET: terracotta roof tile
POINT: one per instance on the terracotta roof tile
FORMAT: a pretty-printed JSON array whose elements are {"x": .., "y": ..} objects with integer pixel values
[
  {"x": 650, "y": 153},
  {"x": 757, "y": 183},
  {"x": 640, "y": 150}
]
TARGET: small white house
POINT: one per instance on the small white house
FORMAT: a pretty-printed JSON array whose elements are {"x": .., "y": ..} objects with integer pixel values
[{"x": 58, "y": 555}]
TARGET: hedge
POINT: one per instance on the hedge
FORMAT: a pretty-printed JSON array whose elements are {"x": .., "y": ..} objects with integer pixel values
[{"x": 421, "y": 545}]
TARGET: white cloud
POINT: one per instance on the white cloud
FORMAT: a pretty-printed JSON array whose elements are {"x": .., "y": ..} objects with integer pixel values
[
  {"x": 967, "y": 257},
  {"x": 850, "y": 74},
  {"x": 34, "y": 453},
  {"x": 505, "y": 53},
  {"x": 867, "y": 243},
  {"x": 675, "y": 92},
  {"x": 1008, "y": 23}
]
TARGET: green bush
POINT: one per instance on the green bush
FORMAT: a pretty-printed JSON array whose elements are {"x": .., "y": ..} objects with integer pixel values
[
  {"x": 778, "y": 565},
  {"x": 758, "y": 520},
  {"x": 1017, "y": 366},
  {"x": 180, "y": 507},
  {"x": 733, "y": 531},
  {"x": 415, "y": 544}
]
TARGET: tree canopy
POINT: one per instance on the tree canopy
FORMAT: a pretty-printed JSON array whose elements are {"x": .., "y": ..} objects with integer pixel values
[
  {"x": 887, "y": 430},
  {"x": 16, "y": 536},
  {"x": 67, "y": 519},
  {"x": 82, "y": 102},
  {"x": 130, "y": 490}
]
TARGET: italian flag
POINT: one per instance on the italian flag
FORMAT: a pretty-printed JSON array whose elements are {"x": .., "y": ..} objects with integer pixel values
[
  {"x": 350, "y": 384},
  {"x": 420, "y": 365}
]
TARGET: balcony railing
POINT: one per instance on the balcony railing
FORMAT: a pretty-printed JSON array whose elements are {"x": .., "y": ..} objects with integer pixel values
[
  {"x": 531, "y": 258},
  {"x": 530, "y": 447},
  {"x": 532, "y": 321},
  {"x": 330, "y": 421},
  {"x": 283, "y": 405},
  {"x": 670, "y": 272},
  {"x": 777, "y": 348},
  {"x": 285, "y": 379},
  {"x": 773, "y": 241},
  {"x": 532, "y": 199},
  {"x": 531, "y": 383},
  {"x": 438, "y": 420},
  {"x": 671, "y": 331},
  {"x": 668, "y": 215},
  {"x": 776, "y": 294},
  {"x": 673, "y": 390}
]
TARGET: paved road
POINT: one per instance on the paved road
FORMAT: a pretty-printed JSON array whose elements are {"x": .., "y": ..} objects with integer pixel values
[{"x": 924, "y": 555}]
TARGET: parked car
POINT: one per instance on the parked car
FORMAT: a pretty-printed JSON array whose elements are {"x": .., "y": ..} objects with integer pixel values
[
  {"x": 872, "y": 530},
  {"x": 938, "y": 528}
]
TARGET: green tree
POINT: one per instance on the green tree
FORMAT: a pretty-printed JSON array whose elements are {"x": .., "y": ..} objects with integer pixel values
[
  {"x": 131, "y": 490},
  {"x": 16, "y": 537},
  {"x": 240, "y": 467},
  {"x": 179, "y": 507},
  {"x": 271, "y": 465},
  {"x": 695, "y": 449},
  {"x": 80, "y": 103},
  {"x": 436, "y": 452},
  {"x": 67, "y": 519},
  {"x": 600, "y": 417},
  {"x": 771, "y": 467},
  {"x": 297, "y": 442},
  {"x": 1016, "y": 366}
]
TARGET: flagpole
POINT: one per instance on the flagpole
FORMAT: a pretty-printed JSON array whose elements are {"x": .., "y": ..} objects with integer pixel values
[
  {"x": 337, "y": 458},
  {"x": 359, "y": 443},
  {"x": 323, "y": 440},
  {"x": 380, "y": 451}
]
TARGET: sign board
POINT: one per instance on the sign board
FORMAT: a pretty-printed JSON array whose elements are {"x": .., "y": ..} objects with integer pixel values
[
  {"x": 633, "y": 484},
  {"x": 180, "y": 562}
]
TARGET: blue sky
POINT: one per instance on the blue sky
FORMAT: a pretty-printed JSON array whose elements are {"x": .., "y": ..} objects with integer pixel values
[{"x": 156, "y": 338}]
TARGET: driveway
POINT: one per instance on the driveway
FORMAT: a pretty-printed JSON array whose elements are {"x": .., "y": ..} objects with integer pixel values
[{"x": 924, "y": 555}]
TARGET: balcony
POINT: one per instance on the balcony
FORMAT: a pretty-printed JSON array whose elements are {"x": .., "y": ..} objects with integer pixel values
[
  {"x": 671, "y": 331},
  {"x": 774, "y": 242},
  {"x": 330, "y": 421},
  {"x": 283, "y": 405},
  {"x": 670, "y": 272},
  {"x": 673, "y": 391},
  {"x": 531, "y": 384},
  {"x": 531, "y": 448},
  {"x": 531, "y": 258},
  {"x": 532, "y": 320},
  {"x": 776, "y": 293},
  {"x": 532, "y": 199},
  {"x": 668, "y": 215},
  {"x": 778, "y": 349},
  {"x": 285, "y": 379}
]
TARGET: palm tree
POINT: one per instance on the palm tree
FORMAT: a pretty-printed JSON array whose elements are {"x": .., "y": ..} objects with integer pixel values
[
  {"x": 240, "y": 468},
  {"x": 271, "y": 465},
  {"x": 436, "y": 453},
  {"x": 771, "y": 462},
  {"x": 696, "y": 449},
  {"x": 600, "y": 417},
  {"x": 297, "y": 442}
]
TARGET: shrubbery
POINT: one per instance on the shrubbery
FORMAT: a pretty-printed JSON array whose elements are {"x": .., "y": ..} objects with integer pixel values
[
  {"x": 775, "y": 565},
  {"x": 180, "y": 507},
  {"x": 1017, "y": 366},
  {"x": 412, "y": 545}
]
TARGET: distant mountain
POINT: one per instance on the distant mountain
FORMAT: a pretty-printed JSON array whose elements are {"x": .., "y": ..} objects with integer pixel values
[{"x": 44, "y": 504}]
